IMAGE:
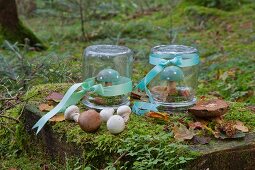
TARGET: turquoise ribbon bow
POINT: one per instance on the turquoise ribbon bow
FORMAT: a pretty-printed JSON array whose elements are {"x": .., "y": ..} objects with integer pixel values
[
  {"x": 161, "y": 61},
  {"x": 123, "y": 86}
]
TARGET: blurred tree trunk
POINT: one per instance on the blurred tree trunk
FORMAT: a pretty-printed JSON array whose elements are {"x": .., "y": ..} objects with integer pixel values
[{"x": 12, "y": 29}]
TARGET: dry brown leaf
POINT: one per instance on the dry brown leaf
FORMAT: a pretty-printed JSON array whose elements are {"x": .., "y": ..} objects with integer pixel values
[
  {"x": 45, "y": 107},
  {"x": 181, "y": 133},
  {"x": 54, "y": 96},
  {"x": 240, "y": 126},
  {"x": 201, "y": 140},
  {"x": 196, "y": 125},
  {"x": 158, "y": 115},
  {"x": 57, "y": 118},
  {"x": 251, "y": 108}
]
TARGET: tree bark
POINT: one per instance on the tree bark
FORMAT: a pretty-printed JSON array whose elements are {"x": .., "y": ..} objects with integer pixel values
[{"x": 12, "y": 29}]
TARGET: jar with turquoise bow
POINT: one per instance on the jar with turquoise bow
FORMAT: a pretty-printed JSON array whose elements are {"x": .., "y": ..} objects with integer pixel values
[
  {"x": 110, "y": 66},
  {"x": 175, "y": 85}
]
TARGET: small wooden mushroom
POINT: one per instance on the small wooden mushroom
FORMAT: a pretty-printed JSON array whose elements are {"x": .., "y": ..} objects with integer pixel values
[
  {"x": 172, "y": 75},
  {"x": 115, "y": 124},
  {"x": 108, "y": 76},
  {"x": 72, "y": 113},
  {"x": 89, "y": 121},
  {"x": 124, "y": 111},
  {"x": 209, "y": 108}
]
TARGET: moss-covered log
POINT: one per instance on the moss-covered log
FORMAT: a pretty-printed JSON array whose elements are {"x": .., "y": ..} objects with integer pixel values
[
  {"x": 12, "y": 29},
  {"x": 61, "y": 139}
]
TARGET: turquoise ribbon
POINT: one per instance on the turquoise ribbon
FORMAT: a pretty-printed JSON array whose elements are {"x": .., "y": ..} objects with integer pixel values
[
  {"x": 161, "y": 61},
  {"x": 123, "y": 86}
]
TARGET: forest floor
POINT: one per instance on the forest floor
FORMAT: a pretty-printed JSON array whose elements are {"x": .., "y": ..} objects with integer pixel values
[{"x": 225, "y": 40}]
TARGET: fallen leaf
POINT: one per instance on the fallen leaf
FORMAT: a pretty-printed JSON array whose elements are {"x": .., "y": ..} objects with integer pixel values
[
  {"x": 57, "y": 97},
  {"x": 240, "y": 126},
  {"x": 57, "y": 118},
  {"x": 251, "y": 108},
  {"x": 99, "y": 100},
  {"x": 227, "y": 128},
  {"x": 201, "y": 140},
  {"x": 158, "y": 115},
  {"x": 195, "y": 125},
  {"x": 237, "y": 135},
  {"x": 181, "y": 133},
  {"x": 136, "y": 95},
  {"x": 166, "y": 128},
  {"x": 45, "y": 107}
]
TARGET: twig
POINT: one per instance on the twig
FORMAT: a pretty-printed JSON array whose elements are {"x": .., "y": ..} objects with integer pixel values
[
  {"x": 9, "y": 117},
  {"x": 11, "y": 98},
  {"x": 119, "y": 158},
  {"x": 1, "y": 124}
]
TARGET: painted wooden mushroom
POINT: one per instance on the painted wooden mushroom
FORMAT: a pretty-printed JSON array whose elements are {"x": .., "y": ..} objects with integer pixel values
[
  {"x": 107, "y": 77},
  {"x": 173, "y": 75}
]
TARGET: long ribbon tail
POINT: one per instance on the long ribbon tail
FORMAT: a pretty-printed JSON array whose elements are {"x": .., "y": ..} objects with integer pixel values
[{"x": 69, "y": 98}]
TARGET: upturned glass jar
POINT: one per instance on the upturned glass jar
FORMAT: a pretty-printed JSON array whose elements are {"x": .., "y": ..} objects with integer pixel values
[
  {"x": 174, "y": 88},
  {"x": 106, "y": 63}
]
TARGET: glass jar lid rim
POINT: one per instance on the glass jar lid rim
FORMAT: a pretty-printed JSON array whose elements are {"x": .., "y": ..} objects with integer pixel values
[
  {"x": 173, "y": 49},
  {"x": 106, "y": 50}
]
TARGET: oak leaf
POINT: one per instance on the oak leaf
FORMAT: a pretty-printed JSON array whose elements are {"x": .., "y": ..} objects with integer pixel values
[
  {"x": 181, "y": 133},
  {"x": 196, "y": 125}
]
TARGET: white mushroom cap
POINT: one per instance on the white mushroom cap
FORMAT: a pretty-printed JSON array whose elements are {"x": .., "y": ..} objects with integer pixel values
[
  {"x": 72, "y": 113},
  {"x": 115, "y": 124},
  {"x": 123, "y": 109},
  {"x": 124, "y": 112},
  {"x": 106, "y": 113}
]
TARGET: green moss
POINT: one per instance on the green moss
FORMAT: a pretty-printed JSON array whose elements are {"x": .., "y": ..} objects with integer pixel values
[
  {"x": 18, "y": 34},
  {"x": 220, "y": 4},
  {"x": 240, "y": 111}
]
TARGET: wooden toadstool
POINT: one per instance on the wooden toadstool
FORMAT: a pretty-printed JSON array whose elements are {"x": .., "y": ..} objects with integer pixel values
[
  {"x": 108, "y": 76},
  {"x": 172, "y": 75}
]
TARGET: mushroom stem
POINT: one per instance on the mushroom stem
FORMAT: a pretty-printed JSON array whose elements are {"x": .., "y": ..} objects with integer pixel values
[
  {"x": 75, "y": 117},
  {"x": 171, "y": 88},
  {"x": 108, "y": 83}
]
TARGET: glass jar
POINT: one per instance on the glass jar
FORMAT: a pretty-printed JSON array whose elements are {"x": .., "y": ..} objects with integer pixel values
[
  {"x": 174, "y": 88},
  {"x": 106, "y": 63}
]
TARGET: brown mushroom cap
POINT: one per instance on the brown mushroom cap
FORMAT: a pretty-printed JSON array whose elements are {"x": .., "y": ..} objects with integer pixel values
[
  {"x": 209, "y": 108},
  {"x": 89, "y": 121}
]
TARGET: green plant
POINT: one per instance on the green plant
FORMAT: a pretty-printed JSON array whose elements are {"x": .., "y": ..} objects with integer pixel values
[
  {"x": 221, "y": 4},
  {"x": 154, "y": 152}
]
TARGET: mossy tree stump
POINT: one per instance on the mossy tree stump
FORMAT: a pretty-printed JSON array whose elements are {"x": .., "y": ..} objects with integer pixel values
[{"x": 59, "y": 139}]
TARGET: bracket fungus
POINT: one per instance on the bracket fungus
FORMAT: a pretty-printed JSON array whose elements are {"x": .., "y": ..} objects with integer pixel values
[
  {"x": 209, "y": 108},
  {"x": 172, "y": 74},
  {"x": 107, "y": 77}
]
